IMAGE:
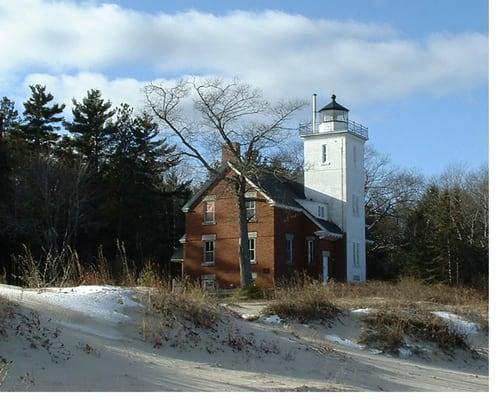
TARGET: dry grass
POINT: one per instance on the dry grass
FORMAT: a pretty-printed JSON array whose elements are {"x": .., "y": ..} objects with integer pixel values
[
  {"x": 304, "y": 294},
  {"x": 402, "y": 309},
  {"x": 387, "y": 329},
  {"x": 303, "y": 301},
  {"x": 409, "y": 290},
  {"x": 189, "y": 302}
]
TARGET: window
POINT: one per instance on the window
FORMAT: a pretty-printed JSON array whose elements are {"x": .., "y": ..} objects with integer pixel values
[
  {"x": 355, "y": 205},
  {"x": 208, "y": 242},
  {"x": 250, "y": 207},
  {"x": 324, "y": 153},
  {"x": 321, "y": 211},
  {"x": 289, "y": 239},
  {"x": 355, "y": 156},
  {"x": 356, "y": 254},
  {"x": 209, "y": 211},
  {"x": 252, "y": 250},
  {"x": 310, "y": 249}
]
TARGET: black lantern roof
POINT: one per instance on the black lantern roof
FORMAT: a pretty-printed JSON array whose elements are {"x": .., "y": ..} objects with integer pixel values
[{"x": 333, "y": 105}]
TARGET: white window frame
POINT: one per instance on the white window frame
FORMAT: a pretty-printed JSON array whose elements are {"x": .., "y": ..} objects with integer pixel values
[
  {"x": 209, "y": 199},
  {"x": 321, "y": 211},
  {"x": 310, "y": 250},
  {"x": 324, "y": 154},
  {"x": 253, "y": 249},
  {"x": 289, "y": 248},
  {"x": 205, "y": 240},
  {"x": 253, "y": 208}
]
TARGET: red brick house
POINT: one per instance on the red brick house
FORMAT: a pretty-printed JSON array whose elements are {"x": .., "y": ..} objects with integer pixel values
[{"x": 291, "y": 228}]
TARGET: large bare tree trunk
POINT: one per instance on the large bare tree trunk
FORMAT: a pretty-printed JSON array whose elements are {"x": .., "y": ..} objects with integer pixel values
[{"x": 245, "y": 265}]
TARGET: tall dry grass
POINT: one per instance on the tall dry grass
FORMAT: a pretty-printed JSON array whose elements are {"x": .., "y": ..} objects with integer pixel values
[
  {"x": 303, "y": 298},
  {"x": 59, "y": 268}
]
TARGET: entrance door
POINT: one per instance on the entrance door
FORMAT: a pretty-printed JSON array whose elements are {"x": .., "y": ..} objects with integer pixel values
[{"x": 325, "y": 266}]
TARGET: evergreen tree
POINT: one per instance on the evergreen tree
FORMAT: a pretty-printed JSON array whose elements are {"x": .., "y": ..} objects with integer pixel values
[
  {"x": 93, "y": 128},
  {"x": 9, "y": 117},
  {"x": 41, "y": 119},
  {"x": 139, "y": 199}
]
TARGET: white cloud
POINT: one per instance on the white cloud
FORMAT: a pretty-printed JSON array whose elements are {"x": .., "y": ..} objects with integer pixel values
[
  {"x": 286, "y": 55},
  {"x": 65, "y": 87}
]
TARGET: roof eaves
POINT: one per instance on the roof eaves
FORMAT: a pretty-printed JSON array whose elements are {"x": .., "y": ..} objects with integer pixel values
[{"x": 189, "y": 204}]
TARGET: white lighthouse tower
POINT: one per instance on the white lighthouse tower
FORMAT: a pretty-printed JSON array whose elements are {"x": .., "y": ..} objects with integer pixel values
[{"x": 334, "y": 175}]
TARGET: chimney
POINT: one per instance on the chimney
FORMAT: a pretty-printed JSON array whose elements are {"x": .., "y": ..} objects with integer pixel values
[
  {"x": 227, "y": 154},
  {"x": 314, "y": 112}
]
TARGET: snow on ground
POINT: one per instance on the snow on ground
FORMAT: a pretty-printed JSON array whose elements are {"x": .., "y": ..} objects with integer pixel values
[
  {"x": 273, "y": 319},
  {"x": 458, "y": 324},
  {"x": 404, "y": 352},
  {"x": 362, "y": 310},
  {"x": 106, "y": 303},
  {"x": 95, "y": 344},
  {"x": 344, "y": 342}
]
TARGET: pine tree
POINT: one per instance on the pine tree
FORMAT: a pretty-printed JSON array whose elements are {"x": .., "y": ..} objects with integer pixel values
[
  {"x": 93, "y": 128},
  {"x": 139, "y": 200},
  {"x": 40, "y": 125},
  {"x": 9, "y": 117}
]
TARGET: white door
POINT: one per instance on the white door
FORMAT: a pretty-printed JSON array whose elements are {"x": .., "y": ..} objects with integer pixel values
[{"x": 325, "y": 266}]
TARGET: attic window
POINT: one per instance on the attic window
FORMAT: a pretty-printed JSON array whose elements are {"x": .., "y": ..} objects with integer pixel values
[
  {"x": 250, "y": 208},
  {"x": 209, "y": 211}
]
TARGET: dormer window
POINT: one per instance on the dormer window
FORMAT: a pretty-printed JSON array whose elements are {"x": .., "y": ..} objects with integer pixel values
[
  {"x": 324, "y": 153},
  {"x": 321, "y": 211}
]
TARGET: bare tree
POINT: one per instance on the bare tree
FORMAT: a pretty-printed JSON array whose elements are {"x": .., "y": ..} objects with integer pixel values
[
  {"x": 389, "y": 190},
  {"x": 233, "y": 114}
]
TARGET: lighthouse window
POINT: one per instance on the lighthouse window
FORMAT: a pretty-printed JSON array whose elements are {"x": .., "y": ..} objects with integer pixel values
[
  {"x": 324, "y": 153},
  {"x": 356, "y": 254}
]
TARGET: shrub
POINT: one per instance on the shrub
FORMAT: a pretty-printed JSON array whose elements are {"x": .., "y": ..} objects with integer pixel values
[
  {"x": 386, "y": 329},
  {"x": 303, "y": 300},
  {"x": 191, "y": 303},
  {"x": 249, "y": 293}
]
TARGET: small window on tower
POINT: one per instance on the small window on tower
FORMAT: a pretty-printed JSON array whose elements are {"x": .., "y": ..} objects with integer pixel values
[{"x": 324, "y": 153}]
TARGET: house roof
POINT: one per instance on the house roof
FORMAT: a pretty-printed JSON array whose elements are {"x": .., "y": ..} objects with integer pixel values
[
  {"x": 281, "y": 191},
  {"x": 334, "y": 105}
]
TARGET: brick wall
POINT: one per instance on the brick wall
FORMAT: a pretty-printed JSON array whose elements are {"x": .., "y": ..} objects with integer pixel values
[
  {"x": 271, "y": 226},
  {"x": 227, "y": 245}
]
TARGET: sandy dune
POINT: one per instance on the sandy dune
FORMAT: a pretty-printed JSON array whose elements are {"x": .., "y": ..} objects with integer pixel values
[{"x": 87, "y": 339}]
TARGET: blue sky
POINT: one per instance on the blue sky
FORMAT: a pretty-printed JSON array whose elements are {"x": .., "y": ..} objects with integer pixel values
[{"x": 414, "y": 72}]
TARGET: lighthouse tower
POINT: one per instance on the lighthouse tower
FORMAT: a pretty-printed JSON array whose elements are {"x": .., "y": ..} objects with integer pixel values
[{"x": 334, "y": 175}]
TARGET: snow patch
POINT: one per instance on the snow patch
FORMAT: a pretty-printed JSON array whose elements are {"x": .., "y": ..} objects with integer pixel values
[
  {"x": 344, "y": 342},
  {"x": 457, "y": 324},
  {"x": 362, "y": 310},
  {"x": 105, "y": 303},
  {"x": 404, "y": 352},
  {"x": 273, "y": 319},
  {"x": 249, "y": 317}
]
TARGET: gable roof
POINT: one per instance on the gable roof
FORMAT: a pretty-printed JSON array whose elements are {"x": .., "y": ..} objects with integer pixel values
[{"x": 280, "y": 191}]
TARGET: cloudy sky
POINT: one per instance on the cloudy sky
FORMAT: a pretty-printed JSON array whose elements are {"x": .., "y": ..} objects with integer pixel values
[{"x": 416, "y": 73}]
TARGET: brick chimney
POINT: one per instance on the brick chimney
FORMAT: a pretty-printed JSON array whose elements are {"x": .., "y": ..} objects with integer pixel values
[{"x": 227, "y": 154}]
